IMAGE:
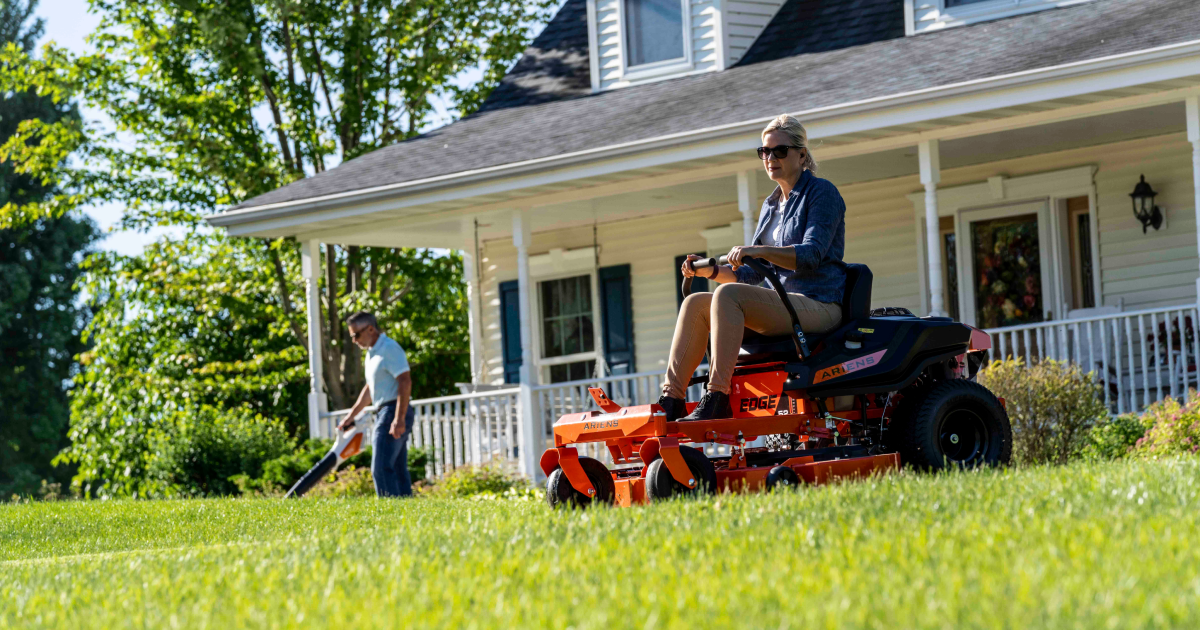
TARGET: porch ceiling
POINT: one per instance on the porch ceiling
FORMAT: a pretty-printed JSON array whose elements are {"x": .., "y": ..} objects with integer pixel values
[{"x": 702, "y": 173}]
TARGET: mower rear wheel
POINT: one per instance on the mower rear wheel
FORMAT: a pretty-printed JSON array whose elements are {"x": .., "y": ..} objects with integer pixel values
[
  {"x": 782, "y": 478},
  {"x": 559, "y": 490},
  {"x": 957, "y": 424},
  {"x": 660, "y": 484}
]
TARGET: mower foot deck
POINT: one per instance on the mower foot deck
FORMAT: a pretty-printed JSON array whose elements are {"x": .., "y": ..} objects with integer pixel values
[{"x": 631, "y": 486}]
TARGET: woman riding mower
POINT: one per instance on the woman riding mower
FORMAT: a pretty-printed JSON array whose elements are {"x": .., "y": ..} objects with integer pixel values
[{"x": 802, "y": 234}]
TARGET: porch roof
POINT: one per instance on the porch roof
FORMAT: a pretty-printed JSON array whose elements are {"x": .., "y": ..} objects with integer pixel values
[{"x": 743, "y": 97}]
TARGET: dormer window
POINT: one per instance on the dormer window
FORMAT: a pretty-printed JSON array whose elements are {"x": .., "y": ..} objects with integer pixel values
[
  {"x": 931, "y": 15},
  {"x": 654, "y": 31}
]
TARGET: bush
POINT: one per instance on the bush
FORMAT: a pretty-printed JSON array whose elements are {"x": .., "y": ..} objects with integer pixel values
[
  {"x": 1114, "y": 438},
  {"x": 1172, "y": 428},
  {"x": 199, "y": 451},
  {"x": 1052, "y": 406},
  {"x": 473, "y": 480}
]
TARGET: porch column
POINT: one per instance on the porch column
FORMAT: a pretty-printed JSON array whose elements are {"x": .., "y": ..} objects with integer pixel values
[
  {"x": 310, "y": 269},
  {"x": 1193, "y": 127},
  {"x": 530, "y": 434},
  {"x": 474, "y": 330},
  {"x": 747, "y": 195},
  {"x": 931, "y": 176}
]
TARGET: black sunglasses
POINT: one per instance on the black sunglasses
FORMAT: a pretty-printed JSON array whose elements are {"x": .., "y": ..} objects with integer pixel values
[{"x": 779, "y": 152}]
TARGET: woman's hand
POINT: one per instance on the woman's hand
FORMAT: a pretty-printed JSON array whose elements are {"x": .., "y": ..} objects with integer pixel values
[
  {"x": 687, "y": 269},
  {"x": 738, "y": 253}
]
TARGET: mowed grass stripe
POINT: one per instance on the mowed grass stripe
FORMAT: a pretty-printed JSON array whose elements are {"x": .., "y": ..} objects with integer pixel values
[{"x": 1105, "y": 545}]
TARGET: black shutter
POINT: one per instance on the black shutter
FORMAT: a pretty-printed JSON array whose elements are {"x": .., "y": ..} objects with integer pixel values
[
  {"x": 616, "y": 304},
  {"x": 510, "y": 330},
  {"x": 699, "y": 285}
]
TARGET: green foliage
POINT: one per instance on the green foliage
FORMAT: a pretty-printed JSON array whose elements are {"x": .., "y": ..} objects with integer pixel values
[
  {"x": 1115, "y": 437},
  {"x": 1052, "y": 406},
  {"x": 198, "y": 451},
  {"x": 1171, "y": 428},
  {"x": 1104, "y": 545},
  {"x": 471, "y": 480},
  {"x": 205, "y": 320},
  {"x": 350, "y": 481},
  {"x": 40, "y": 317}
]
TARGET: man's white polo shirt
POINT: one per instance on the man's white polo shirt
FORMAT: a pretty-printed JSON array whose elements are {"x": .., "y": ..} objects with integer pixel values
[{"x": 385, "y": 361}]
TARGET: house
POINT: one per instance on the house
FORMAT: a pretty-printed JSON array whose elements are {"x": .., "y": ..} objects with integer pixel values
[{"x": 987, "y": 151}]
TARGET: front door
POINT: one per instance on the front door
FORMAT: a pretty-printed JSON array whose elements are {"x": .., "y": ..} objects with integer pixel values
[{"x": 1005, "y": 255}]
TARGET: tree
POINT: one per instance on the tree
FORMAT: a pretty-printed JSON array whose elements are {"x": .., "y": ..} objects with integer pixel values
[
  {"x": 40, "y": 319},
  {"x": 213, "y": 102}
]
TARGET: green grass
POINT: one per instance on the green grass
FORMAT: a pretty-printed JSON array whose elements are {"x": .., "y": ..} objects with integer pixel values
[{"x": 1087, "y": 546}]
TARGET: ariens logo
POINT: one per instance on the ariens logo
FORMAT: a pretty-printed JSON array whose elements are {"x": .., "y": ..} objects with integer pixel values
[{"x": 853, "y": 365}]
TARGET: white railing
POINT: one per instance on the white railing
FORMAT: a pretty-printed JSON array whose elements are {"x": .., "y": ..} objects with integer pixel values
[
  {"x": 1138, "y": 357},
  {"x": 464, "y": 430}
]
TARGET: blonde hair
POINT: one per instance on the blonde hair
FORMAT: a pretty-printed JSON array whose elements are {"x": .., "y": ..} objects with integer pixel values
[{"x": 798, "y": 136}]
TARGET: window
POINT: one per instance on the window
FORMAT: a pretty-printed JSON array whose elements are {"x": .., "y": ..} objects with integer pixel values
[
  {"x": 949, "y": 266},
  {"x": 653, "y": 31},
  {"x": 567, "y": 328},
  {"x": 1079, "y": 222}
]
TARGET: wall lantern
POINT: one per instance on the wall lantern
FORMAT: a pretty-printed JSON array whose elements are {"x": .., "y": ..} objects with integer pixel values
[{"x": 1143, "y": 206}]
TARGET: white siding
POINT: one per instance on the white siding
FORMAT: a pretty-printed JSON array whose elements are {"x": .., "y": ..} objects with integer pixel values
[
  {"x": 608, "y": 41},
  {"x": 1142, "y": 271},
  {"x": 744, "y": 20},
  {"x": 705, "y": 46}
]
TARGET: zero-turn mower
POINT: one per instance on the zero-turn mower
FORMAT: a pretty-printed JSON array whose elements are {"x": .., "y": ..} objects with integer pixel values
[{"x": 883, "y": 388}]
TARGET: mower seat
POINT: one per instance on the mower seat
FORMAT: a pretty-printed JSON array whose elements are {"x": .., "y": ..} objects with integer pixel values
[{"x": 856, "y": 305}]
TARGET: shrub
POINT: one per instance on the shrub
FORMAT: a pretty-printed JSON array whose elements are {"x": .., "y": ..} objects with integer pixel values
[
  {"x": 473, "y": 480},
  {"x": 1052, "y": 406},
  {"x": 1172, "y": 428},
  {"x": 350, "y": 481},
  {"x": 199, "y": 451},
  {"x": 1114, "y": 438}
]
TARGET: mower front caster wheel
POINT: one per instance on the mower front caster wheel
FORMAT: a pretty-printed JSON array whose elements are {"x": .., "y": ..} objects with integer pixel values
[
  {"x": 559, "y": 490},
  {"x": 660, "y": 484},
  {"x": 782, "y": 478}
]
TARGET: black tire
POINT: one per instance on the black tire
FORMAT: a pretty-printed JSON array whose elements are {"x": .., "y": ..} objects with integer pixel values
[
  {"x": 559, "y": 490},
  {"x": 956, "y": 424},
  {"x": 782, "y": 478},
  {"x": 661, "y": 485}
]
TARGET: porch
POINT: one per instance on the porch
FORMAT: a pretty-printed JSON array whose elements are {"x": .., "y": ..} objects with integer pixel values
[{"x": 570, "y": 268}]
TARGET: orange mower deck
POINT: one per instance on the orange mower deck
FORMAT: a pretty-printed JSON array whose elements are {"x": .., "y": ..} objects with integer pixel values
[{"x": 637, "y": 436}]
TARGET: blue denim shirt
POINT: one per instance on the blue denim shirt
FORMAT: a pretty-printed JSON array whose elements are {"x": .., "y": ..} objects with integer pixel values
[{"x": 813, "y": 222}]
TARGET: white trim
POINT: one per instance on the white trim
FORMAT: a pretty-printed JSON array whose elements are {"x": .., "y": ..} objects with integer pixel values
[
  {"x": 1050, "y": 188},
  {"x": 593, "y": 45},
  {"x": 560, "y": 262},
  {"x": 939, "y": 16},
  {"x": 1042, "y": 84},
  {"x": 721, "y": 36},
  {"x": 910, "y": 20},
  {"x": 658, "y": 69}
]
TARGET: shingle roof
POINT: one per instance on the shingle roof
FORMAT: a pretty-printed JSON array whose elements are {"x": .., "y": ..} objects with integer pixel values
[
  {"x": 555, "y": 66},
  {"x": 808, "y": 26},
  {"x": 758, "y": 91}
]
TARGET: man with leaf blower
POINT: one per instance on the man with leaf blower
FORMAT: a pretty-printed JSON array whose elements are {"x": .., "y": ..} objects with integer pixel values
[{"x": 389, "y": 389}]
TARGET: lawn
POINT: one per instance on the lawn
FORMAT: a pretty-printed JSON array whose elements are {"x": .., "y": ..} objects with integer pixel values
[{"x": 1088, "y": 546}]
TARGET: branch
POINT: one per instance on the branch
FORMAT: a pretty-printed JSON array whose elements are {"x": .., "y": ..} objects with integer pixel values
[
  {"x": 324, "y": 85},
  {"x": 285, "y": 298},
  {"x": 408, "y": 285}
]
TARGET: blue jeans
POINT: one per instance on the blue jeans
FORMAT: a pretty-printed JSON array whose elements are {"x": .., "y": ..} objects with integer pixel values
[{"x": 389, "y": 456}]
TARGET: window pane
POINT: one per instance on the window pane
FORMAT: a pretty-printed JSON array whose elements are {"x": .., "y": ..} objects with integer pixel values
[
  {"x": 567, "y": 316},
  {"x": 1084, "y": 226},
  {"x": 951, "y": 275},
  {"x": 1008, "y": 282},
  {"x": 955, "y": 3},
  {"x": 655, "y": 30},
  {"x": 571, "y": 371}
]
